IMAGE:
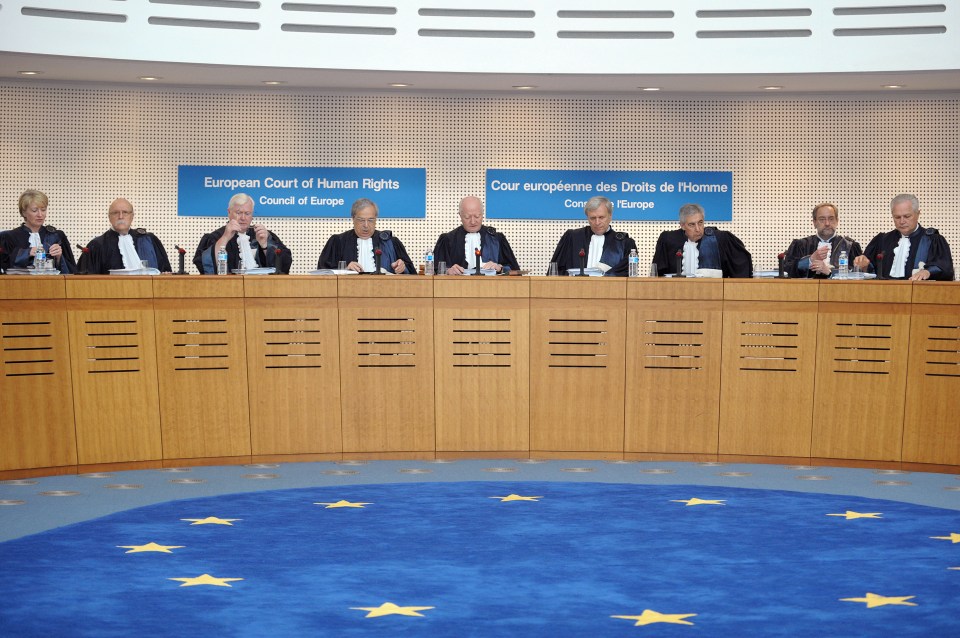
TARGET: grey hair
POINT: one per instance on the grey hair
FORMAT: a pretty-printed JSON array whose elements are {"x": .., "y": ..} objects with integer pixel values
[
  {"x": 836, "y": 212},
  {"x": 239, "y": 200},
  {"x": 362, "y": 203},
  {"x": 905, "y": 197},
  {"x": 688, "y": 210},
  {"x": 596, "y": 202}
]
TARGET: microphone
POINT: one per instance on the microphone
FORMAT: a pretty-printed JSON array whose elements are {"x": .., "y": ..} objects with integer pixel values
[
  {"x": 583, "y": 259},
  {"x": 679, "y": 264},
  {"x": 2, "y": 256},
  {"x": 376, "y": 261},
  {"x": 879, "y": 265},
  {"x": 780, "y": 258},
  {"x": 476, "y": 253},
  {"x": 84, "y": 256},
  {"x": 276, "y": 261},
  {"x": 180, "y": 253}
]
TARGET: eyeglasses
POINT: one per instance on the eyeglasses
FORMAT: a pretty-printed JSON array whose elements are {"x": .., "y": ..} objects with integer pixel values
[{"x": 365, "y": 220}]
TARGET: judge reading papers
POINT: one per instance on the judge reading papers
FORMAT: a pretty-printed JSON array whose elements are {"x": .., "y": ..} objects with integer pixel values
[
  {"x": 704, "y": 251},
  {"x": 458, "y": 247},
  {"x": 910, "y": 251},
  {"x": 20, "y": 244},
  {"x": 819, "y": 255},
  {"x": 357, "y": 248},
  {"x": 605, "y": 251},
  {"x": 123, "y": 249},
  {"x": 249, "y": 246}
]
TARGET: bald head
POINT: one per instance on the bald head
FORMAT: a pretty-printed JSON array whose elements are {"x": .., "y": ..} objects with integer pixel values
[
  {"x": 471, "y": 214},
  {"x": 121, "y": 215}
]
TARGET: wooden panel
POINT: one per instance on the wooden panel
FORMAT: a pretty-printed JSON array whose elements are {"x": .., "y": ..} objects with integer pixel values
[
  {"x": 862, "y": 354},
  {"x": 375, "y": 286},
  {"x": 866, "y": 291},
  {"x": 482, "y": 374},
  {"x": 107, "y": 287},
  {"x": 481, "y": 287},
  {"x": 771, "y": 289},
  {"x": 577, "y": 374},
  {"x": 116, "y": 400},
  {"x": 36, "y": 421},
  {"x": 286, "y": 286},
  {"x": 769, "y": 361},
  {"x": 936, "y": 292},
  {"x": 293, "y": 352},
  {"x": 201, "y": 359},
  {"x": 688, "y": 288},
  {"x": 578, "y": 287},
  {"x": 197, "y": 286},
  {"x": 673, "y": 363},
  {"x": 32, "y": 287},
  {"x": 930, "y": 433},
  {"x": 386, "y": 384}
]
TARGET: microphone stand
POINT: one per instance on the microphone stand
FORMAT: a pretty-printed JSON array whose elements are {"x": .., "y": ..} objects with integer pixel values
[
  {"x": 180, "y": 253},
  {"x": 376, "y": 261},
  {"x": 84, "y": 256},
  {"x": 583, "y": 260},
  {"x": 476, "y": 252},
  {"x": 679, "y": 264},
  {"x": 879, "y": 266},
  {"x": 781, "y": 274},
  {"x": 3, "y": 255},
  {"x": 276, "y": 261}
]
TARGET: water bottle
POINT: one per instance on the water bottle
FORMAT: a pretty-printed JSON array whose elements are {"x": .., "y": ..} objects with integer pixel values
[
  {"x": 222, "y": 261},
  {"x": 428, "y": 265},
  {"x": 40, "y": 258},
  {"x": 844, "y": 267},
  {"x": 634, "y": 261}
]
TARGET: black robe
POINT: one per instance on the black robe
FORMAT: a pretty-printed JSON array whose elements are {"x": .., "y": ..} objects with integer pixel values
[
  {"x": 343, "y": 247},
  {"x": 493, "y": 247},
  {"x": 206, "y": 261},
  {"x": 16, "y": 248},
  {"x": 734, "y": 258},
  {"x": 796, "y": 262},
  {"x": 926, "y": 245},
  {"x": 104, "y": 252},
  {"x": 616, "y": 251}
]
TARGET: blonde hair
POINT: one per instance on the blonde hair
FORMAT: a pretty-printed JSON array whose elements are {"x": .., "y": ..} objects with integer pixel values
[{"x": 32, "y": 197}]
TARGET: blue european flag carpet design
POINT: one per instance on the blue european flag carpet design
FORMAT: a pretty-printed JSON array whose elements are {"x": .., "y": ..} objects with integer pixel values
[{"x": 489, "y": 559}]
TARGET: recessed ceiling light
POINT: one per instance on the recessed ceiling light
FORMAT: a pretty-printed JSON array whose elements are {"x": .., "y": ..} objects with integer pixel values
[
  {"x": 273, "y": 82},
  {"x": 400, "y": 85},
  {"x": 524, "y": 87},
  {"x": 893, "y": 86},
  {"x": 29, "y": 72},
  {"x": 150, "y": 78},
  {"x": 771, "y": 88},
  {"x": 649, "y": 88}
]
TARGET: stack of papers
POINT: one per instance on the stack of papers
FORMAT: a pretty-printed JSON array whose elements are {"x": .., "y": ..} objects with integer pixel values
[
  {"x": 333, "y": 271},
  {"x": 591, "y": 272},
  {"x": 136, "y": 271},
  {"x": 263, "y": 270},
  {"x": 483, "y": 271},
  {"x": 31, "y": 271}
]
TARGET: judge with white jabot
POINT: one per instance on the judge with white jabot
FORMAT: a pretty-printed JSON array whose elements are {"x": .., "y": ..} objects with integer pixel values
[
  {"x": 248, "y": 245},
  {"x": 705, "y": 251},
  {"x": 358, "y": 247},
  {"x": 458, "y": 247},
  {"x": 604, "y": 249},
  {"x": 122, "y": 247},
  {"x": 910, "y": 251}
]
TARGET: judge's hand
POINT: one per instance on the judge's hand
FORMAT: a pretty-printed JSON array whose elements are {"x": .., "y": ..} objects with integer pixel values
[
  {"x": 55, "y": 251},
  {"x": 455, "y": 269},
  {"x": 820, "y": 254},
  {"x": 398, "y": 266},
  {"x": 354, "y": 266},
  {"x": 818, "y": 265},
  {"x": 232, "y": 228},
  {"x": 861, "y": 262},
  {"x": 492, "y": 265},
  {"x": 262, "y": 234},
  {"x": 920, "y": 275}
]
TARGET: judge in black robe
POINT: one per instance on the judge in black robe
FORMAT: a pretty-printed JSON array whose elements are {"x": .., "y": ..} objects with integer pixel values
[
  {"x": 263, "y": 243},
  {"x": 345, "y": 246},
  {"x": 613, "y": 258},
  {"x": 17, "y": 249},
  {"x": 104, "y": 254},
  {"x": 928, "y": 253},
  {"x": 805, "y": 257},
  {"x": 717, "y": 249},
  {"x": 495, "y": 251}
]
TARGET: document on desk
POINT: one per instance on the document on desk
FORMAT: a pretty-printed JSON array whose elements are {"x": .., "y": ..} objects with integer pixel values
[
  {"x": 262, "y": 270},
  {"x": 590, "y": 272},
  {"x": 333, "y": 271},
  {"x": 483, "y": 271},
  {"x": 136, "y": 271}
]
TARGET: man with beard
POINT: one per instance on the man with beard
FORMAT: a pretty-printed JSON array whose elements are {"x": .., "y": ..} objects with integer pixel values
[{"x": 818, "y": 255}]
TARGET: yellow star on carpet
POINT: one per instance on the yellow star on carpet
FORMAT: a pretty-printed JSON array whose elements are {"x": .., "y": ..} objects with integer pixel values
[
  {"x": 700, "y": 501},
  {"x": 211, "y": 520},
  {"x": 205, "y": 579},
  {"x": 342, "y": 504},
  {"x": 953, "y": 538},
  {"x": 649, "y": 617},
  {"x": 390, "y": 609},
  {"x": 516, "y": 497},
  {"x": 852, "y": 515},
  {"x": 150, "y": 547},
  {"x": 876, "y": 600}
]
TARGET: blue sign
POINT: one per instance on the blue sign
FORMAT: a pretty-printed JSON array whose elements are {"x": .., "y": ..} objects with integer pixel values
[
  {"x": 636, "y": 195},
  {"x": 204, "y": 191}
]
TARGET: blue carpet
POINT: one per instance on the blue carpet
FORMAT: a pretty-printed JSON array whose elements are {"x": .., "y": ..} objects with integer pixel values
[{"x": 581, "y": 559}]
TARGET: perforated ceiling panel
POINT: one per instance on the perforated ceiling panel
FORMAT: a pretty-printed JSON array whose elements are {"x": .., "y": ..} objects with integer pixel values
[{"x": 85, "y": 146}]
